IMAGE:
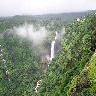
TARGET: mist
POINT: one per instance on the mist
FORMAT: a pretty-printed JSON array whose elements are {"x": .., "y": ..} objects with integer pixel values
[
  {"x": 28, "y": 31},
  {"x": 38, "y": 37}
]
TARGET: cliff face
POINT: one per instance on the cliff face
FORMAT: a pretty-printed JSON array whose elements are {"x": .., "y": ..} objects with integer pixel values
[{"x": 72, "y": 72}]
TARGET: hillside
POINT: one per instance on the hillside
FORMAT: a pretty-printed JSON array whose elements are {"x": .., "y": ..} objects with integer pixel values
[
  {"x": 72, "y": 71},
  {"x": 19, "y": 66},
  {"x": 59, "y": 19},
  {"x": 25, "y": 48},
  {"x": 65, "y": 17}
]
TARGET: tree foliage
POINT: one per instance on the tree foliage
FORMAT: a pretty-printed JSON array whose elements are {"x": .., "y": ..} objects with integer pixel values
[{"x": 75, "y": 53}]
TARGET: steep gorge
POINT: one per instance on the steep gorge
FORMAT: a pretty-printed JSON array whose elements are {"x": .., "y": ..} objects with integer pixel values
[{"x": 69, "y": 74}]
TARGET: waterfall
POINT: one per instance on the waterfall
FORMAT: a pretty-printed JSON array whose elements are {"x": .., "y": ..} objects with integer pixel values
[
  {"x": 53, "y": 46},
  {"x": 49, "y": 59},
  {"x": 52, "y": 50}
]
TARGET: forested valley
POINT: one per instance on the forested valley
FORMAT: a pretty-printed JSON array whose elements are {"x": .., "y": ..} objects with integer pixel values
[{"x": 50, "y": 55}]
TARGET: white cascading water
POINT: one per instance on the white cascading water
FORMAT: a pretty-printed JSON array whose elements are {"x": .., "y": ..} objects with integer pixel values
[
  {"x": 52, "y": 50},
  {"x": 53, "y": 46},
  {"x": 51, "y": 57}
]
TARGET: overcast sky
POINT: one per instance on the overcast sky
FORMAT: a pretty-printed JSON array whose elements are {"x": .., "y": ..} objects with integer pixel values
[{"x": 38, "y": 7}]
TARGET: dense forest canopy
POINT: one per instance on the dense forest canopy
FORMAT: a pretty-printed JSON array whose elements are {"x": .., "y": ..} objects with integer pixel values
[
  {"x": 23, "y": 61},
  {"x": 69, "y": 74}
]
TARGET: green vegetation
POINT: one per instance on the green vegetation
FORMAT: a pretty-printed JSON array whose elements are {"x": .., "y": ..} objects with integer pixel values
[
  {"x": 22, "y": 65},
  {"x": 71, "y": 73},
  {"x": 66, "y": 75}
]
